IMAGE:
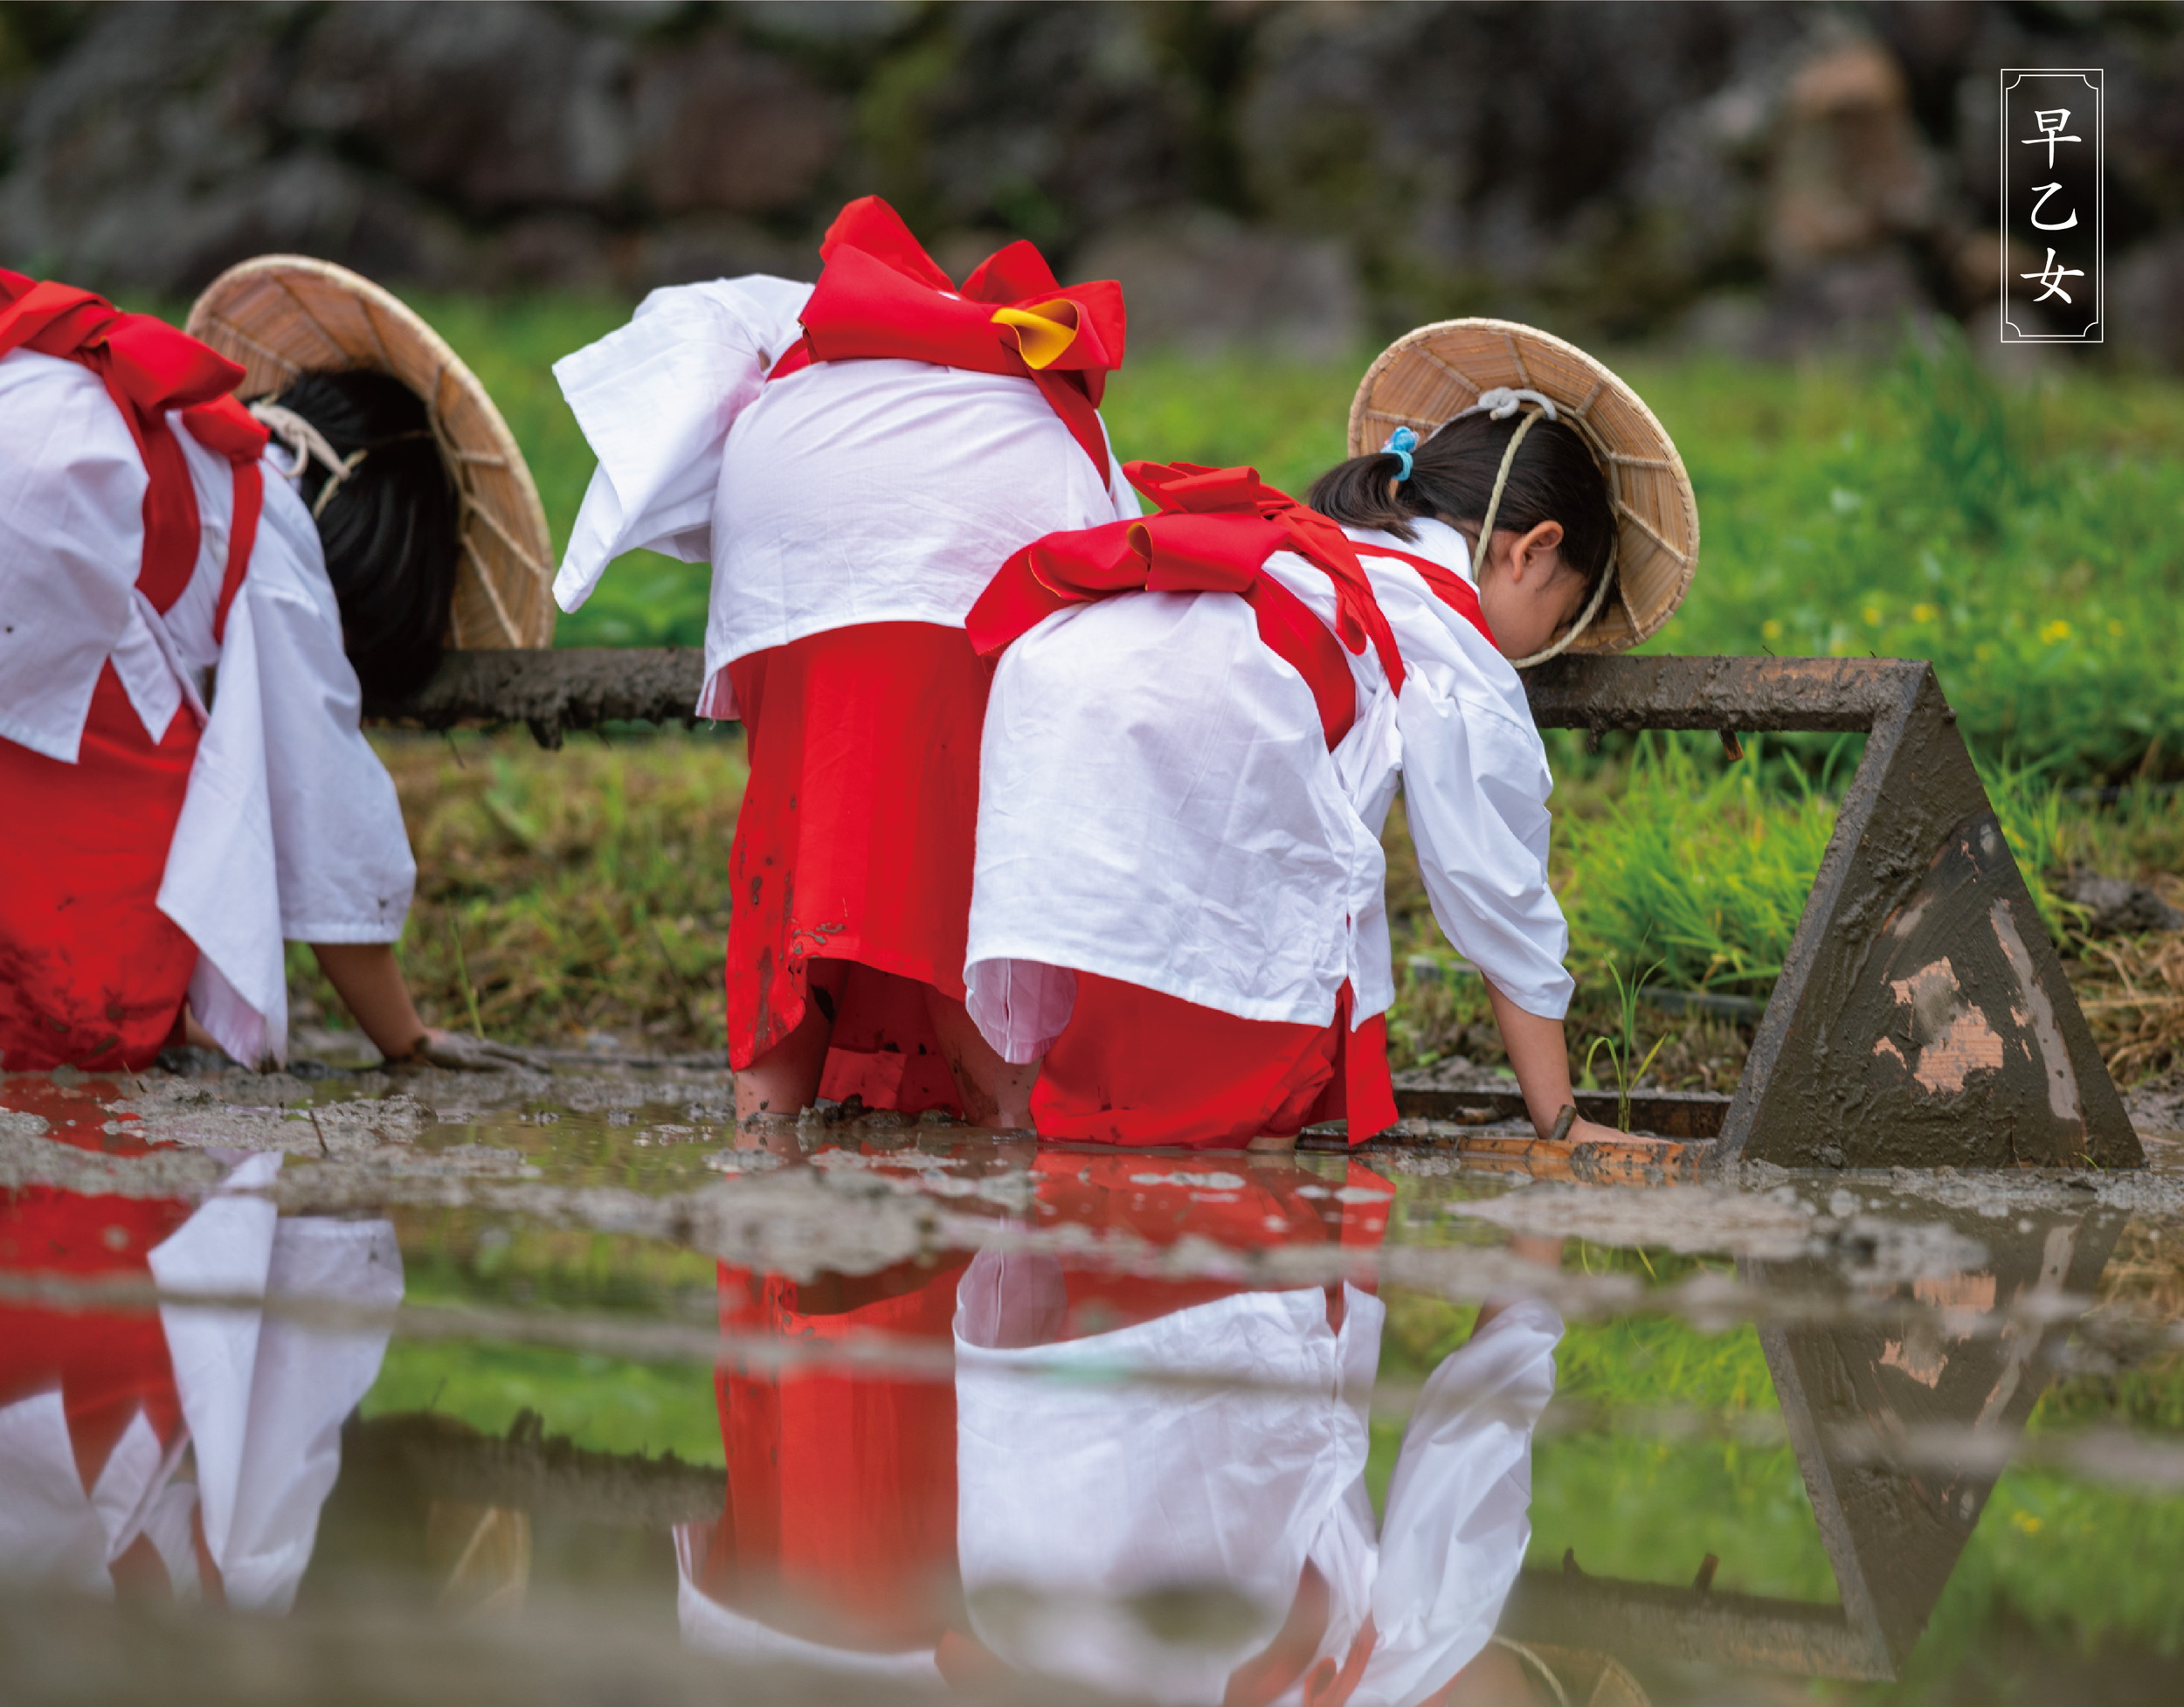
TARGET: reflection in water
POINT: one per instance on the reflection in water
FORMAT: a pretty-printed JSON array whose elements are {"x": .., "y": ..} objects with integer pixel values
[
  {"x": 1091, "y": 1422},
  {"x": 1152, "y": 1487},
  {"x": 1903, "y": 1425},
  {"x": 185, "y": 1453},
  {"x": 1904, "y": 1399},
  {"x": 1088, "y": 1494}
]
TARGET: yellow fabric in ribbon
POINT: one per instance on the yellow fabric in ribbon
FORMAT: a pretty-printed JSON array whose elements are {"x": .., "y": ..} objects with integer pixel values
[{"x": 1044, "y": 332}]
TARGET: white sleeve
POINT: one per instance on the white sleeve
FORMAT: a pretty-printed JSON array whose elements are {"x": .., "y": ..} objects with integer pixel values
[
  {"x": 72, "y": 544},
  {"x": 344, "y": 853},
  {"x": 290, "y": 828},
  {"x": 655, "y": 400},
  {"x": 1475, "y": 787},
  {"x": 264, "y": 1395},
  {"x": 1458, "y": 1506}
]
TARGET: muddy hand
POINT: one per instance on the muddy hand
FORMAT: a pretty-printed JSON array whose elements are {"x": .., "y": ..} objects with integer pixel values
[
  {"x": 461, "y": 1053},
  {"x": 1592, "y": 1131}
]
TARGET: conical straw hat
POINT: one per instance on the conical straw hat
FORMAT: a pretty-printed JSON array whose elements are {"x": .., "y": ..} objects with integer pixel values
[
  {"x": 282, "y": 315},
  {"x": 1426, "y": 376}
]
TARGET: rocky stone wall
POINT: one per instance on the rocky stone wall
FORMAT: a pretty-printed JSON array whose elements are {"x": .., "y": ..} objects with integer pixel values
[{"x": 1757, "y": 175}]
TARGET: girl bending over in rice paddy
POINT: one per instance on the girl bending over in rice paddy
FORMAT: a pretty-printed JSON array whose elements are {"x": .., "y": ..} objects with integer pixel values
[
  {"x": 1199, "y": 719},
  {"x": 854, "y": 459}
]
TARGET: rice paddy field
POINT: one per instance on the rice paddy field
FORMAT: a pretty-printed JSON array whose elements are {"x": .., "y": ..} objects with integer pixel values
[{"x": 2024, "y": 535}]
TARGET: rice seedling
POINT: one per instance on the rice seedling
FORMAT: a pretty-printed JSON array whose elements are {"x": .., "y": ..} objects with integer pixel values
[
  {"x": 1702, "y": 874},
  {"x": 1622, "y": 1046}
]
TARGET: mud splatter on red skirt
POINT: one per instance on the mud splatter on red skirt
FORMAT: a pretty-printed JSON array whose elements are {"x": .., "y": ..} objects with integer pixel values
[
  {"x": 855, "y": 843},
  {"x": 91, "y": 973}
]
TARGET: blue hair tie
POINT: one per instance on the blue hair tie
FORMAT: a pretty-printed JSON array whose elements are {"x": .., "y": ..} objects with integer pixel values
[{"x": 1401, "y": 443}]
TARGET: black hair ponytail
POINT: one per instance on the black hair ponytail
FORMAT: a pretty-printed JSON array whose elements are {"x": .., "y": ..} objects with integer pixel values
[
  {"x": 390, "y": 529},
  {"x": 1553, "y": 479}
]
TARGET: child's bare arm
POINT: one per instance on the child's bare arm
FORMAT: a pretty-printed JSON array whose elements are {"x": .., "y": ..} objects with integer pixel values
[
  {"x": 368, "y": 980},
  {"x": 1541, "y": 1061}
]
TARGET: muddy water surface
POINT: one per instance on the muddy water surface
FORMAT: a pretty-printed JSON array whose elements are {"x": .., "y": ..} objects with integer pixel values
[{"x": 551, "y": 1386}]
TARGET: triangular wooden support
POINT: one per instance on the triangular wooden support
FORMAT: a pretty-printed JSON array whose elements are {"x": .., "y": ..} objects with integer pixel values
[
  {"x": 1922, "y": 1017},
  {"x": 1904, "y": 1399}
]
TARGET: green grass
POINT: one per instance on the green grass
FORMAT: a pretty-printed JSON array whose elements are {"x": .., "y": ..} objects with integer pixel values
[
  {"x": 2066, "y": 1557},
  {"x": 2026, "y": 538},
  {"x": 1696, "y": 875},
  {"x": 2080, "y": 1562},
  {"x": 563, "y": 892},
  {"x": 1639, "y": 1506},
  {"x": 1287, "y": 420},
  {"x": 460, "y": 1259},
  {"x": 587, "y": 890},
  {"x": 603, "y": 1404}
]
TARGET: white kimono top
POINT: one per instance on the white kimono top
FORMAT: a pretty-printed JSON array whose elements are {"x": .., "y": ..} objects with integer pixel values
[
  {"x": 290, "y": 829},
  {"x": 1087, "y": 1490},
  {"x": 849, "y": 492},
  {"x": 263, "y": 1400},
  {"x": 1158, "y": 805}
]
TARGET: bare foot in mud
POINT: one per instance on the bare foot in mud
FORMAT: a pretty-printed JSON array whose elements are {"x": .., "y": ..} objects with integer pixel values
[
  {"x": 776, "y": 1133},
  {"x": 1273, "y": 1143}
]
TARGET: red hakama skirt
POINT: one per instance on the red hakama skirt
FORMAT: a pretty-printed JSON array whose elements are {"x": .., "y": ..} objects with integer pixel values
[
  {"x": 841, "y": 1524},
  {"x": 92, "y": 974},
  {"x": 855, "y": 843},
  {"x": 108, "y": 1364},
  {"x": 1138, "y": 1066}
]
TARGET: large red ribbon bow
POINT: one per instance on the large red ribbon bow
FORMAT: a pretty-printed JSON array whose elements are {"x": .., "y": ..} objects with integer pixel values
[
  {"x": 149, "y": 368},
  {"x": 1214, "y": 532},
  {"x": 881, "y": 295}
]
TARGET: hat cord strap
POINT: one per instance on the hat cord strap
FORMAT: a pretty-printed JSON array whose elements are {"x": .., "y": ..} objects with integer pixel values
[
  {"x": 1501, "y": 481},
  {"x": 310, "y": 445},
  {"x": 1486, "y": 543}
]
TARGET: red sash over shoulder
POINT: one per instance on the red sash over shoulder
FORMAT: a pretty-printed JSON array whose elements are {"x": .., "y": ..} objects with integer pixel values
[
  {"x": 1215, "y": 530},
  {"x": 149, "y": 368},
  {"x": 881, "y": 295}
]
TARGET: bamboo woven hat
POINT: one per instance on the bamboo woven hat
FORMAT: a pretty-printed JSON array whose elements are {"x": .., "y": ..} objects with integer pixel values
[
  {"x": 282, "y": 315},
  {"x": 1426, "y": 376}
]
